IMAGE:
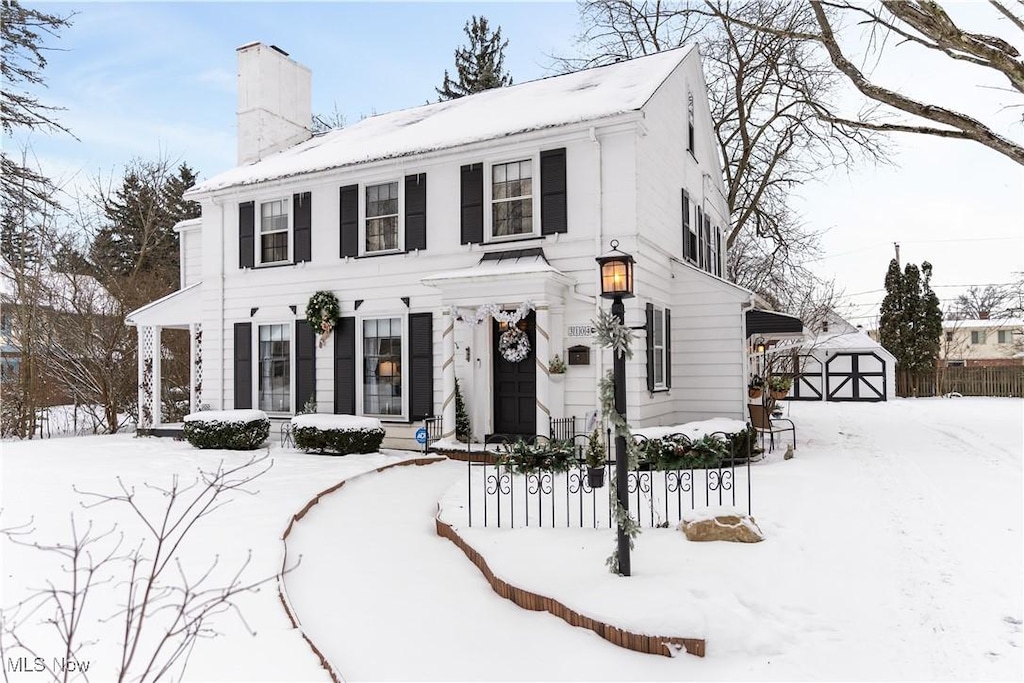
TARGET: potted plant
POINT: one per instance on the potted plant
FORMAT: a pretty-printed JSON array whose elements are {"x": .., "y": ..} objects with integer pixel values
[
  {"x": 779, "y": 386},
  {"x": 556, "y": 368},
  {"x": 597, "y": 457},
  {"x": 755, "y": 386}
]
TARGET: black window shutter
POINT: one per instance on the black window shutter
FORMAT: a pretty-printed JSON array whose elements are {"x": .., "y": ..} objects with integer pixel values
[
  {"x": 705, "y": 237},
  {"x": 718, "y": 246},
  {"x": 350, "y": 220},
  {"x": 246, "y": 234},
  {"x": 303, "y": 223},
  {"x": 472, "y": 203},
  {"x": 686, "y": 225},
  {"x": 699, "y": 256},
  {"x": 421, "y": 365},
  {"x": 416, "y": 211},
  {"x": 650, "y": 347},
  {"x": 305, "y": 364},
  {"x": 553, "y": 217},
  {"x": 243, "y": 365},
  {"x": 668, "y": 348},
  {"x": 345, "y": 367}
]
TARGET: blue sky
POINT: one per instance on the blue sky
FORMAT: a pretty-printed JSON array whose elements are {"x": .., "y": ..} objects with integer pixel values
[{"x": 158, "y": 79}]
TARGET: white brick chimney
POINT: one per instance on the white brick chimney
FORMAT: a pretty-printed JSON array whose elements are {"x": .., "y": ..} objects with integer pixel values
[{"x": 274, "y": 102}]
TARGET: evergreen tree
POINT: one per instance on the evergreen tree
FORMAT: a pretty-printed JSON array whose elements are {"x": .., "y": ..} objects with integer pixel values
[
  {"x": 462, "y": 428},
  {"x": 910, "y": 325},
  {"x": 480, "y": 65},
  {"x": 138, "y": 236}
]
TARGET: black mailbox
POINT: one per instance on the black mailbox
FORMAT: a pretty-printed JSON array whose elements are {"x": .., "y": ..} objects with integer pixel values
[{"x": 579, "y": 355}]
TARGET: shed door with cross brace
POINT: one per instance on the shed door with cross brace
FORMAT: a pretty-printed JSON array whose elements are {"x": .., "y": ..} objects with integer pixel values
[{"x": 855, "y": 376}]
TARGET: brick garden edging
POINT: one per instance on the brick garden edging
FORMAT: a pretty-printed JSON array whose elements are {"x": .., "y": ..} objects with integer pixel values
[
  {"x": 335, "y": 676},
  {"x": 654, "y": 645}
]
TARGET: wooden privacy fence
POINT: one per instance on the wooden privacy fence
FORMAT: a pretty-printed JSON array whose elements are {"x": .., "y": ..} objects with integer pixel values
[{"x": 995, "y": 381}]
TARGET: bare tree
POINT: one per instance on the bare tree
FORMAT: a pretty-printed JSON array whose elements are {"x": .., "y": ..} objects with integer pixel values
[
  {"x": 923, "y": 24},
  {"x": 166, "y": 603},
  {"x": 767, "y": 93},
  {"x": 980, "y": 303}
]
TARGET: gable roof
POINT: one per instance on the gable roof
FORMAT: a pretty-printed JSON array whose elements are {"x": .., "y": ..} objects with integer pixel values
[{"x": 587, "y": 95}]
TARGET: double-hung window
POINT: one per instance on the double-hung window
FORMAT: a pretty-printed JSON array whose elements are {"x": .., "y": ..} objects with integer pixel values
[
  {"x": 275, "y": 368},
  {"x": 382, "y": 366},
  {"x": 658, "y": 334},
  {"x": 689, "y": 123},
  {"x": 274, "y": 232},
  {"x": 382, "y": 217},
  {"x": 1004, "y": 336},
  {"x": 977, "y": 336},
  {"x": 512, "y": 199}
]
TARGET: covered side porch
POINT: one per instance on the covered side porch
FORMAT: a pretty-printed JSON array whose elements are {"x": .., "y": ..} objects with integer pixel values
[{"x": 159, "y": 411}]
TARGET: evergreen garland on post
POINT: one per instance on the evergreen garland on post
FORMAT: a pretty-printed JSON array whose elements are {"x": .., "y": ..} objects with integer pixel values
[
  {"x": 480, "y": 65},
  {"x": 611, "y": 334}
]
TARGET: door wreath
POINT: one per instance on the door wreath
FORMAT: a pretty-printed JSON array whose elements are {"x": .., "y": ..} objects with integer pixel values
[{"x": 514, "y": 345}]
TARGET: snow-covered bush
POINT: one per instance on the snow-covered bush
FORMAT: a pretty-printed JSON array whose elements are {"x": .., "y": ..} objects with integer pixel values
[
  {"x": 233, "y": 430},
  {"x": 340, "y": 434}
]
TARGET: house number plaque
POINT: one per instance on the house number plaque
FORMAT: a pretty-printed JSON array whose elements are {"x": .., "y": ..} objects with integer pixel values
[{"x": 581, "y": 331}]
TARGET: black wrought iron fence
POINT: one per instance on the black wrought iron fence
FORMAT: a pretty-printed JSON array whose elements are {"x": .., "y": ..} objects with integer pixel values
[{"x": 531, "y": 486}]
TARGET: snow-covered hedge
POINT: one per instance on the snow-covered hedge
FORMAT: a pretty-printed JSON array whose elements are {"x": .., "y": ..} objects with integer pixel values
[
  {"x": 341, "y": 434},
  {"x": 234, "y": 430}
]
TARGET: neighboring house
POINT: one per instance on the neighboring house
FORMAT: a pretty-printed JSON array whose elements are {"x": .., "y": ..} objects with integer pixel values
[
  {"x": 836, "y": 361},
  {"x": 982, "y": 343},
  {"x": 36, "y": 304},
  {"x": 427, "y": 221}
]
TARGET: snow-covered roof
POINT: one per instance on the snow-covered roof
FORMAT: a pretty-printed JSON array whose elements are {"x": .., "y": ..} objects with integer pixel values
[
  {"x": 178, "y": 308},
  {"x": 840, "y": 341},
  {"x": 985, "y": 324},
  {"x": 588, "y": 95},
  {"x": 64, "y": 292}
]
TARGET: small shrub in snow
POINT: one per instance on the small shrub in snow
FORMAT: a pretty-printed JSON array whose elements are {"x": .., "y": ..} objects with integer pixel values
[
  {"x": 340, "y": 434},
  {"x": 233, "y": 430}
]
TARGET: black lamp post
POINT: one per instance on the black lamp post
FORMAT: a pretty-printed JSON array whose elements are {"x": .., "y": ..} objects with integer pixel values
[{"x": 617, "y": 284}]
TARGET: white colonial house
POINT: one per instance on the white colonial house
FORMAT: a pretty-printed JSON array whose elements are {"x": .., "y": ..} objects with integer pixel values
[{"x": 430, "y": 225}]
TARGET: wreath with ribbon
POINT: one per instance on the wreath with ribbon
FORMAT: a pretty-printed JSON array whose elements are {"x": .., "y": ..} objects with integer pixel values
[
  {"x": 322, "y": 314},
  {"x": 514, "y": 345}
]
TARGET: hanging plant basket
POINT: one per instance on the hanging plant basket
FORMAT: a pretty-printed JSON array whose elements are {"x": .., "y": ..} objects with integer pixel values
[
  {"x": 322, "y": 314},
  {"x": 514, "y": 345},
  {"x": 754, "y": 393}
]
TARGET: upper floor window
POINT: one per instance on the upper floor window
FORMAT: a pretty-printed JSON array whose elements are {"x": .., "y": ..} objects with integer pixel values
[
  {"x": 977, "y": 336},
  {"x": 274, "y": 232},
  {"x": 512, "y": 199},
  {"x": 1004, "y": 336},
  {"x": 382, "y": 217},
  {"x": 689, "y": 120},
  {"x": 5, "y": 324},
  {"x": 949, "y": 336}
]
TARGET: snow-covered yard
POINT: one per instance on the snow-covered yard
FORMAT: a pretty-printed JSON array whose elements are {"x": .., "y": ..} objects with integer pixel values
[{"x": 893, "y": 551}]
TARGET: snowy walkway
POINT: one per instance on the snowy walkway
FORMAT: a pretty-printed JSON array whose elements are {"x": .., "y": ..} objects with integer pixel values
[{"x": 385, "y": 598}]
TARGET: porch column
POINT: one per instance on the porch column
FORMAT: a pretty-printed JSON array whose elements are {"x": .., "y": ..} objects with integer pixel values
[
  {"x": 195, "y": 374},
  {"x": 448, "y": 375},
  {"x": 157, "y": 355},
  {"x": 145, "y": 358},
  {"x": 543, "y": 376}
]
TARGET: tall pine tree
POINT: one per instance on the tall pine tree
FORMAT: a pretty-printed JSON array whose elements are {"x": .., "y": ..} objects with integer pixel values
[
  {"x": 480, "y": 65},
  {"x": 910, "y": 325}
]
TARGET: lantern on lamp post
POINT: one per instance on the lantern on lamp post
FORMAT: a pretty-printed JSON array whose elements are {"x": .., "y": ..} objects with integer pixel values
[{"x": 617, "y": 284}]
